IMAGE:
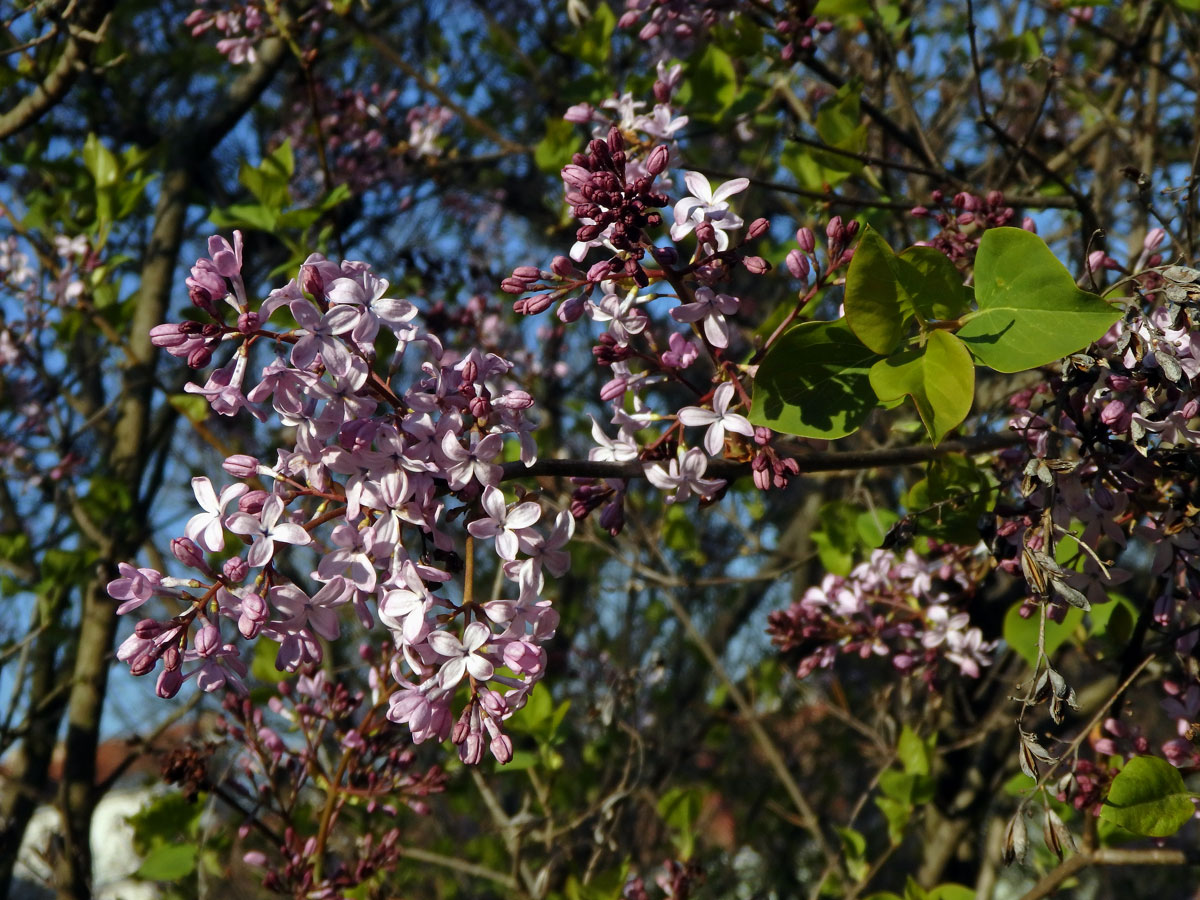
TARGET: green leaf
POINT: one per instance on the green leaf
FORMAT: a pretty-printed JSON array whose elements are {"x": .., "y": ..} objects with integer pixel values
[
  {"x": 100, "y": 162},
  {"x": 593, "y": 42},
  {"x": 877, "y": 301},
  {"x": 170, "y": 862},
  {"x": 951, "y": 891},
  {"x": 836, "y": 537},
  {"x": 915, "y": 754},
  {"x": 947, "y": 503},
  {"x": 815, "y": 382},
  {"x": 1030, "y": 311},
  {"x": 873, "y": 526},
  {"x": 938, "y": 291},
  {"x": 1022, "y": 634},
  {"x": 1148, "y": 797},
  {"x": 558, "y": 146},
  {"x": 680, "y": 809},
  {"x": 713, "y": 80},
  {"x": 940, "y": 378},
  {"x": 193, "y": 406}
]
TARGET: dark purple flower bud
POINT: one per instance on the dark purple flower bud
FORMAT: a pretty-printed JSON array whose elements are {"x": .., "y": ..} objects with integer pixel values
[
  {"x": 995, "y": 198},
  {"x": 824, "y": 27},
  {"x": 756, "y": 265},
  {"x": 202, "y": 299},
  {"x": 616, "y": 142},
  {"x": 658, "y": 160},
  {"x": 169, "y": 682},
  {"x": 514, "y": 286},
  {"x": 918, "y": 211},
  {"x": 199, "y": 358},
  {"x": 148, "y": 629},
  {"x": 666, "y": 256},
  {"x": 248, "y": 322},
  {"x": 757, "y": 229},
  {"x": 762, "y": 435},
  {"x": 563, "y": 266},
  {"x": 143, "y": 663},
  {"x": 806, "y": 239},
  {"x": 705, "y": 233},
  {"x": 172, "y": 658},
  {"x": 188, "y": 553},
  {"x": 851, "y": 229},
  {"x": 587, "y": 233},
  {"x": 835, "y": 231},
  {"x": 937, "y": 196},
  {"x": 965, "y": 218},
  {"x": 612, "y": 517}
]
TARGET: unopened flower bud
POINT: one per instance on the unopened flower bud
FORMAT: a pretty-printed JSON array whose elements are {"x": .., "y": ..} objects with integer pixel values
[
  {"x": 502, "y": 749},
  {"x": 143, "y": 663},
  {"x": 835, "y": 231},
  {"x": 148, "y": 629},
  {"x": 570, "y": 310},
  {"x": 172, "y": 658},
  {"x": 562, "y": 266},
  {"x": 188, "y": 553},
  {"x": 248, "y": 322},
  {"x": 797, "y": 264},
  {"x": 757, "y": 229},
  {"x": 599, "y": 272},
  {"x": 658, "y": 160},
  {"x": 199, "y": 358},
  {"x": 1029, "y": 225},
  {"x": 614, "y": 389},
  {"x": 1153, "y": 240},
  {"x": 612, "y": 517},
  {"x": 532, "y": 306},
  {"x": 806, "y": 239},
  {"x": 666, "y": 256},
  {"x": 616, "y": 142},
  {"x": 756, "y": 265},
  {"x": 241, "y": 465},
  {"x": 705, "y": 233},
  {"x": 514, "y": 286},
  {"x": 252, "y": 502},
  {"x": 235, "y": 569},
  {"x": 208, "y": 640},
  {"x": 312, "y": 283},
  {"x": 169, "y": 682}
]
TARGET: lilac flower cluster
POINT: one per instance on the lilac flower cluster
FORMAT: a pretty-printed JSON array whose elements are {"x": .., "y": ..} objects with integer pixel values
[
  {"x": 369, "y": 488},
  {"x": 244, "y": 25},
  {"x": 909, "y": 608}
]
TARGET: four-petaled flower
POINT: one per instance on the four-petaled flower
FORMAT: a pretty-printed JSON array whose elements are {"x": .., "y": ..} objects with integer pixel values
[
  {"x": 707, "y": 205},
  {"x": 718, "y": 419},
  {"x": 712, "y": 308},
  {"x": 503, "y": 524},
  {"x": 266, "y": 529},
  {"x": 462, "y": 656},
  {"x": 205, "y": 528},
  {"x": 684, "y": 476}
]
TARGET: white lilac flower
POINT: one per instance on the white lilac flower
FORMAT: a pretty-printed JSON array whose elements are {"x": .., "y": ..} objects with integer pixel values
[{"x": 707, "y": 205}]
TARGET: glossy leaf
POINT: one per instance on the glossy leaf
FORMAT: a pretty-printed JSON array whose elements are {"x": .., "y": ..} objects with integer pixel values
[
  {"x": 937, "y": 290},
  {"x": 1030, "y": 311},
  {"x": 939, "y": 377},
  {"x": 877, "y": 301},
  {"x": 814, "y": 382},
  {"x": 1148, "y": 797}
]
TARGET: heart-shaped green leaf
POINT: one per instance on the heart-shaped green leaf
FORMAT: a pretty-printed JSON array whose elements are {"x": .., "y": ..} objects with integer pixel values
[
  {"x": 1030, "y": 311},
  {"x": 814, "y": 382},
  {"x": 940, "y": 378}
]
